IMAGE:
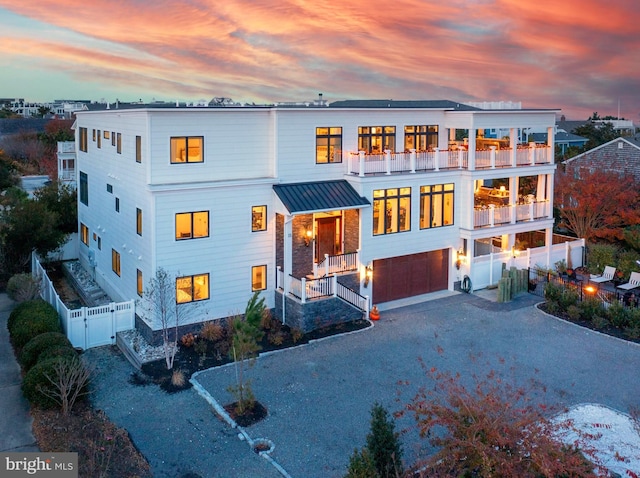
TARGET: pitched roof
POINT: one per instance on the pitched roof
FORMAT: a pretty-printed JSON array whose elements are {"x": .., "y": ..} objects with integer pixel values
[{"x": 319, "y": 196}]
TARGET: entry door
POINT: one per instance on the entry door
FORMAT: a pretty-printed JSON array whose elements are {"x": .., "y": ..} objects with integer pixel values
[{"x": 326, "y": 237}]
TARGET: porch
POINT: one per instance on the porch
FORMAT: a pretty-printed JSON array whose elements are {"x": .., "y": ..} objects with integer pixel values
[{"x": 389, "y": 162}]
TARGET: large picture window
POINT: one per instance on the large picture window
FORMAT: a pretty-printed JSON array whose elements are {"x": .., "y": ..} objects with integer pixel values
[
  {"x": 191, "y": 225},
  {"x": 436, "y": 205},
  {"x": 329, "y": 145},
  {"x": 84, "y": 188},
  {"x": 192, "y": 288},
  {"x": 391, "y": 210},
  {"x": 115, "y": 261},
  {"x": 420, "y": 138},
  {"x": 187, "y": 149},
  {"x": 258, "y": 278},
  {"x": 376, "y": 139}
]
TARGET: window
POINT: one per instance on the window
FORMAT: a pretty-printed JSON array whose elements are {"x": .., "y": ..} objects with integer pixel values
[
  {"x": 258, "y": 218},
  {"x": 94, "y": 135},
  {"x": 187, "y": 149},
  {"x": 391, "y": 210},
  {"x": 139, "y": 221},
  {"x": 117, "y": 204},
  {"x": 258, "y": 278},
  {"x": 115, "y": 261},
  {"x": 83, "y": 139},
  {"x": 191, "y": 225},
  {"x": 84, "y": 234},
  {"x": 192, "y": 288},
  {"x": 138, "y": 149},
  {"x": 106, "y": 135},
  {"x": 99, "y": 140},
  {"x": 329, "y": 145},
  {"x": 420, "y": 138},
  {"x": 113, "y": 138},
  {"x": 119, "y": 141},
  {"x": 139, "y": 282},
  {"x": 436, "y": 205},
  {"x": 375, "y": 139},
  {"x": 99, "y": 243},
  {"x": 84, "y": 188},
  {"x": 109, "y": 188}
]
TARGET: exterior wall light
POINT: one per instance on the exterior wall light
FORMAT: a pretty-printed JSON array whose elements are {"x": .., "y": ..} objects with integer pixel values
[
  {"x": 460, "y": 259},
  {"x": 368, "y": 275},
  {"x": 308, "y": 236}
]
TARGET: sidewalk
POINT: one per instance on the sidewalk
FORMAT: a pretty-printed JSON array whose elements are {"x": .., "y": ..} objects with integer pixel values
[{"x": 15, "y": 420}]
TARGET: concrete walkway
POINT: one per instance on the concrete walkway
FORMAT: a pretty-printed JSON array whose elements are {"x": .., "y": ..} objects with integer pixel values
[{"x": 15, "y": 421}]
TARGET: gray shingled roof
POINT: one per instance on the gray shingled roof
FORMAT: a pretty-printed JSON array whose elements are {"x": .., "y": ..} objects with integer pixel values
[
  {"x": 319, "y": 196},
  {"x": 435, "y": 104}
]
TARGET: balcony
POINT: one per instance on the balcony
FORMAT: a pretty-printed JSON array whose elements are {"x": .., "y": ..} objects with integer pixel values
[
  {"x": 494, "y": 215},
  {"x": 388, "y": 162}
]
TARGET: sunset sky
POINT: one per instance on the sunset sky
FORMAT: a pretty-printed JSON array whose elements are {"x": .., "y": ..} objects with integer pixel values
[{"x": 580, "y": 56}]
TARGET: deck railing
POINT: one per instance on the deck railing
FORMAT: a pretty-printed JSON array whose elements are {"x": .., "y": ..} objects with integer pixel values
[
  {"x": 495, "y": 215},
  {"x": 309, "y": 289},
  {"x": 334, "y": 264}
]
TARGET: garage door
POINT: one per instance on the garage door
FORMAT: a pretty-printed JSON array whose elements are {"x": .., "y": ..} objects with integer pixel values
[{"x": 405, "y": 276}]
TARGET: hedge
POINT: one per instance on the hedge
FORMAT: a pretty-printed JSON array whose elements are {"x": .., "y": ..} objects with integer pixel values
[
  {"x": 39, "y": 344},
  {"x": 30, "y": 319}
]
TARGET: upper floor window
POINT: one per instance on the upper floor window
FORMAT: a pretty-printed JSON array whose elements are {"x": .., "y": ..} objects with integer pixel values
[
  {"x": 187, "y": 149},
  {"x": 420, "y": 138},
  {"x": 94, "y": 135},
  {"x": 109, "y": 188},
  {"x": 329, "y": 145},
  {"x": 119, "y": 143},
  {"x": 106, "y": 135},
  {"x": 258, "y": 278},
  {"x": 138, "y": 149},
  {"x": 99, "y": 138},
  {"x": 113, "y": 138},
  {"x": 84, "y": 188},
  {"x": 391, "y": 210},
  {"x": 192, "y": 288},
  {"x": 436, "y": 205},
  {"x": 139, "y": 283},
  {"x": 139, "y": 221},
  {"x": 258, "y": 218},
  {"x": 376, "y": 139},
  {"x": 115, "y": 261},
  {"x": 84, "y": 234},
  {"x": 117, "y": 204},
  {"x": 83, "y": 139},
  {"x": 191, "y": 225}
]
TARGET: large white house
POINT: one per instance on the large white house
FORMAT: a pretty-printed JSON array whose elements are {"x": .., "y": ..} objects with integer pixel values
[{"x": 324, "y": 207}]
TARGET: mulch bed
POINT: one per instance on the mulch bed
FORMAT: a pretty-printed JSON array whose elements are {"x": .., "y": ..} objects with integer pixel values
[{"x": 249, "y": 417}]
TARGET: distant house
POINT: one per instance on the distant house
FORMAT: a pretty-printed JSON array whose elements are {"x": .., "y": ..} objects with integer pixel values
[
  {"x": 563, "y": 140},
  {"x": 621, "y": 155}
]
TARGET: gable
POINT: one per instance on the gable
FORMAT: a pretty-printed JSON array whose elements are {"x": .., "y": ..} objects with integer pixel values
[{"x": 619, "y": 155}]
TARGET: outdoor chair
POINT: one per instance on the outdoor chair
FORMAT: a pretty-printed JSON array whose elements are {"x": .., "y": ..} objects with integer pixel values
[
  {"x": 606, "y": 276},
  {"x": 634, "y": 281}
]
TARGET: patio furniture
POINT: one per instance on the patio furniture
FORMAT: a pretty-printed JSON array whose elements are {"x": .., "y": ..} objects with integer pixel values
[
  {"x": 634, "y": 281},
  {"x": 606, "y": 276}
]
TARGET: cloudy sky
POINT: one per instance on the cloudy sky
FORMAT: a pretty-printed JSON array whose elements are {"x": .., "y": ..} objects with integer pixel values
[{"x": 576, "y": 55}]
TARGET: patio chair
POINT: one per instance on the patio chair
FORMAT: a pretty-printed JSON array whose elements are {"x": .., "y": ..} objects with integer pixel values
[
  {"x": 634, "y": 281},
  {"x": 606, "y": 276}
]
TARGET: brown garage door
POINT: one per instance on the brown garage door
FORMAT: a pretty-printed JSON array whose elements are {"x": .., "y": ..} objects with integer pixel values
[{"x": 406, "y": 276}]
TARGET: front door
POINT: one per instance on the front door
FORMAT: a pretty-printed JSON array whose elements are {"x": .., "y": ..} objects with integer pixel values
[{"x": 327, "y": 237}]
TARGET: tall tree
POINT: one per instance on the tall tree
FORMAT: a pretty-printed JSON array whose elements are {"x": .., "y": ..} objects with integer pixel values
[
  {"x": 62, "y": 200},
  {"x": 597, "y": 133},
  {"x": 597, "y": 204}
]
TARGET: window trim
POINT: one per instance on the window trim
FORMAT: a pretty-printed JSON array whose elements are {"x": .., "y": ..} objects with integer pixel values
[
  {"x": 384, "y": 136},
  {"x": 263, "y": 285},
  {"x": 186, "y": 139},
  {"x": 425, "y": 136},
  {"x": 384, "y": 199},
  {"x": 442, "y": 193},
  {"x": 83, "y": 138},
  {"x": 191, "y": 213},
  {"x": 193, "y": 277},
  {"x": 328, "y": 158},
  {"x": 263, "y": 226}
]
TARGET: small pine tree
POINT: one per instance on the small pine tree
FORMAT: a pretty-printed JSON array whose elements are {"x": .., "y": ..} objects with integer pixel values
[
  {"x": 361, "y": 465},
  {"x": 383, "y": 444}
]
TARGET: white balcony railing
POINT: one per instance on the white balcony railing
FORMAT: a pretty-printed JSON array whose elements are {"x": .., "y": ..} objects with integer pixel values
[
  {"x": 413, "y": 161},
  {"x": 334, "y": 264},
  {"x": 496, "y": 215}
]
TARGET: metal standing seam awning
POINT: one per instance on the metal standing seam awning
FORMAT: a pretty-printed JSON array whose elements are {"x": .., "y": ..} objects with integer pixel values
[{"x": 319, "y": 196}]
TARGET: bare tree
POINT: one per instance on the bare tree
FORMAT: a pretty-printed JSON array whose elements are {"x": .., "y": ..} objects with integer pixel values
[{"x": 69, "y": 381}]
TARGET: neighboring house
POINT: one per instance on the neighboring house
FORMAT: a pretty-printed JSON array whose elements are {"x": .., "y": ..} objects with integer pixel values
[
  {"x": 15, "y": 126},
  {"x": 563, "y": 140},
  {"x": 66, "y": 155},
  {"x": 621, "y": 155},
  {"x": 355, "y": 202}
]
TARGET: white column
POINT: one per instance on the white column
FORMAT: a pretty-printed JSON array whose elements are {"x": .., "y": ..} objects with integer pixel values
[
  {"x": 513, "y": 144},
  {"x": 471, "y": 153},
  {"x": 551, "y": 143},
  {"x": 361, "y": 173},
  {"x": 287, "y": 252},
  {"x": 493, "y": 157},
  {"x": 412, "y": 160},
  {"x": 387, "y": 161}
]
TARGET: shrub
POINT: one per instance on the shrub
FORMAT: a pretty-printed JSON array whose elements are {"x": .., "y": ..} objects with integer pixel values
[
  {"x": 568, "y": 298},
  {"x": 187, "y": 340},
  {"x": 552, "y": 292},
  {"x": 383, "y": 444},
  {"x": 39, "y": 384},
  {"x": 574, "y": 312},
  {"x": 58, "y": 351},
  {"x": 627, "y": 262},
  {"x": 39, "y": 344},
  {"x": 30, "y": 319},
  {"x": 591, "y": 307},
  {"x": 361, "y": 465},
  {"x": 296, "y": 335},
  {"x": 618, "y": 315},
  {"x": 601, "y": 255},
  {"x": 23, "y": 287},
  {"x": 212, "y": 331},
  {"x": 552, "y": 307}
]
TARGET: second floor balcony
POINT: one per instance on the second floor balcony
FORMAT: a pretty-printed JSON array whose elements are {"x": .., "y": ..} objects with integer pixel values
[
  {"x": 414, "y": 161},
  {"x": 495, "y": 215}
]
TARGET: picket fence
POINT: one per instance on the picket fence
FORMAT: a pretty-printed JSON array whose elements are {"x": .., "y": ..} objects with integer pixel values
[{"x": 88, "y": 326}]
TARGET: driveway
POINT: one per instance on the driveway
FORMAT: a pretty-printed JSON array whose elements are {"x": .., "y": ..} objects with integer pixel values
[{"x": 319, "y": 395}]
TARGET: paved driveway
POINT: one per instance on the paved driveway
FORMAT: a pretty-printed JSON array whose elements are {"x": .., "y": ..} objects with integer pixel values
[{"x": 319, "y": 396}]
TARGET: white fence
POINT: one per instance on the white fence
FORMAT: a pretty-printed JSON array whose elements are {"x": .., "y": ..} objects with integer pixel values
[{"x": 88, "y": 326}]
